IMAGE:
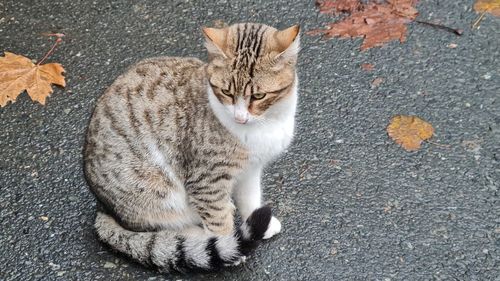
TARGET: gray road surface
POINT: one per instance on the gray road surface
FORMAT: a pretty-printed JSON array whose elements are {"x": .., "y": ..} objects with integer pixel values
[{"x": 354, "y": 205}]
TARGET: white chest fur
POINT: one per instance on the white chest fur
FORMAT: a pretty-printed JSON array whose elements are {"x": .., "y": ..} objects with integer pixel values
[
  {"x": 266, "y": 136},
  {"x": 267, "y": 141}
]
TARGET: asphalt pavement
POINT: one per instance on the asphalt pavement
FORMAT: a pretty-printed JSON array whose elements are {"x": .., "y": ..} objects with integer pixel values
[{"x": 353, "y": 204}]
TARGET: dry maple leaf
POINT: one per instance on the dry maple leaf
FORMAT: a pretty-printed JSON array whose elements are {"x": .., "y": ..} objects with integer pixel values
[
  {"x": 18, "y": 73},
  {"x": 409, "y": 131},
  {"x": 488, "y": 6},
  {"x": 337, "y": 6},
  {"x": 376, "y": 82},
  {"x": 377, "y": 23},
  {"x": 367, "y": 66}
]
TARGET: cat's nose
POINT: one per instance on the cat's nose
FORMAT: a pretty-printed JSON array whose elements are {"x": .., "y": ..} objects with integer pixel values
[
  {"x": 240, "y": 119},
  {"x": 240, "y": 111}
]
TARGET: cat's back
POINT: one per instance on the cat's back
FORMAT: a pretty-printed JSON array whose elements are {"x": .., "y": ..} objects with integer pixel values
[
  {"x": 147, "y": 102},
  {"x": 150, "y": 78},
  {"x": 147, "y": 93}
]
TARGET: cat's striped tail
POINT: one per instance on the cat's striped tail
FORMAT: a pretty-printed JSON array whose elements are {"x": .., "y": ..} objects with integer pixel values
[{"x": 187, "y": 250}]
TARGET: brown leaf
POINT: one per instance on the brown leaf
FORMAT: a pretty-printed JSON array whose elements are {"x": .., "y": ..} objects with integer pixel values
[
  {"x": 367, "y": 66},
  {"x": 18, "y": 73},
  {"x": 377, "y": 23},
  {"x": 488, "y": 6},
  {"x": 337, "y": 6},
  {"x": 409, "y": 131},
  {"x": 377, "y": 81}
]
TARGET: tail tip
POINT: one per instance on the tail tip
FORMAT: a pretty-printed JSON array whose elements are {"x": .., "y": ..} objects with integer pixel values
[{"x": 258, "y": 222}]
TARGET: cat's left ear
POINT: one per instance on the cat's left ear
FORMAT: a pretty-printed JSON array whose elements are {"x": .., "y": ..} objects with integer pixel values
[
  {"x": 216, "y": 40},
  {"x": 288, "y": 42}
]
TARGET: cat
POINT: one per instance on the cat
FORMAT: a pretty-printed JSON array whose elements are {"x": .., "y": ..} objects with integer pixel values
[{"x": 174, "y": 141}]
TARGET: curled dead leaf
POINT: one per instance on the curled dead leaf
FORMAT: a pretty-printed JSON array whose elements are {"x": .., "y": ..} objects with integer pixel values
[{"x": 409, "y": 131}]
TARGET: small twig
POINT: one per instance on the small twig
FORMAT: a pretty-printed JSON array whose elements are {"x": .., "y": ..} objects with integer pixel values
[
  {"x": 305, "y": 168},
  {"x": 439, "y": 144},
  {"x": 439, "y": 26},
  {"x": 476, "y": 22},
  {"x": 58, "y": 35},
  {"x": 58, "y": 40}
]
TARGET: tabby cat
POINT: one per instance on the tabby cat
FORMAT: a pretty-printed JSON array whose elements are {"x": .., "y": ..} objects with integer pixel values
[{"x": 173, "y": 141}]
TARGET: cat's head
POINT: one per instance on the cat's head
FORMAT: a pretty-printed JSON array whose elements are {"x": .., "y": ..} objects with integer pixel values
[{"x": 252, "y": 68}]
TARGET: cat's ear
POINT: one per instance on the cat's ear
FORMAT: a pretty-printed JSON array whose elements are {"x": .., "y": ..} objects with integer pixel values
[
  {"x": 216, "y": 40},
  {"x": 288, "y": 42}
]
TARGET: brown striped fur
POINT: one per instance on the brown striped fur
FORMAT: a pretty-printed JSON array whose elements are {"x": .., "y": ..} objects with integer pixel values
[{"x": 158, "y": 158}]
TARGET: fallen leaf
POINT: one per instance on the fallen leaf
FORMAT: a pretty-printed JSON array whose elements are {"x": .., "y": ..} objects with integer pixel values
[
  {"x": 18, "y": 73},
  {"x": 377, "y": 23},
  {"x": 376, "y": 82},
  {"x": 334, "y": 251},
  {"x": 367, "y": 66},
  {"x": 338, "y": 6},
  {"x": 409, "y": 131},
  {"x": 387, "y": 209},
  {"x": 488, "y": 6}
]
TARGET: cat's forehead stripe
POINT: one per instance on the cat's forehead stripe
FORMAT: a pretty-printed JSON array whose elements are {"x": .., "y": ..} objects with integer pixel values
[{"x": 249, "y": 41}]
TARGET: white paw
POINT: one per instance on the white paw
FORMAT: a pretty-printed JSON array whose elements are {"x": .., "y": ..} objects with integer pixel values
[{"x": 273, "y": 228}]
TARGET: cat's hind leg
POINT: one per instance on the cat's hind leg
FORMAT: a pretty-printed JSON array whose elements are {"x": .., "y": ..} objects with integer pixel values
[{"x": 210, "y": 196}]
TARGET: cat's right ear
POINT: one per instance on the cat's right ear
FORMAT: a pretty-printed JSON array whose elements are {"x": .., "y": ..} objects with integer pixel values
[
  {"x": 288, "y": 42},
  {"x": 215, "y": 40}
]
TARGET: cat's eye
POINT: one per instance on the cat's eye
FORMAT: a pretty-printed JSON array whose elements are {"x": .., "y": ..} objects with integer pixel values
[
  {"x": 258, "y": 96},
  {"x": 227, "y": 93},
  {"x": 224, "y": 92}
]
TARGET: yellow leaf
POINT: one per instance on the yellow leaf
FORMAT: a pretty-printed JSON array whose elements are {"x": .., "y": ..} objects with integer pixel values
[
  {"x": 18, "y": 73},
  {"x": 489, "y": 6},
  {"x": 409, "y": 131}
]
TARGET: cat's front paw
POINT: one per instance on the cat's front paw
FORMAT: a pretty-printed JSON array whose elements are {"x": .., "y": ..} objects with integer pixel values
[{"x": 273, "y": 228}]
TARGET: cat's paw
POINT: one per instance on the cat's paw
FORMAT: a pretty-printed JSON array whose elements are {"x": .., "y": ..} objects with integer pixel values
[{"x": 273, "y": 228}]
